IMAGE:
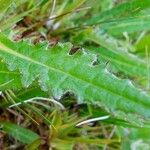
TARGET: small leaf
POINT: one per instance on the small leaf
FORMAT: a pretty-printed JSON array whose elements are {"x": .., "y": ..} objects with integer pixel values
[
  {"x": 23, "y": 135},
  {"x": 4, "y": 4},
  {"x": 124, "y": 9}
]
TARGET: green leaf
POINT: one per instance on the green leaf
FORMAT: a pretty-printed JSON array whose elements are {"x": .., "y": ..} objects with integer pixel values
[
  {"x": 123, "y": 61},
  {"x": 128, "y": 17},
  {"x": 31, "y": 92},
  {"x": 73, "y": 5},
  {"x": 9, "y": 80},
  {"x": 7, "y": 20},
  {"x": 137, "y": 137},
  {"x": 4, "y": 4},
  {"x": 130, "y": 25},
  {"x": 23, "y": 135},
  {"x": 115, "y": 51},
  {"x": 33, "y": 146},
  {"x": 125, "y": 9},
  {"x": 143, "y": 44},
  {"x": 59, "y": 72},
  {"x": 12, "y": 19}
]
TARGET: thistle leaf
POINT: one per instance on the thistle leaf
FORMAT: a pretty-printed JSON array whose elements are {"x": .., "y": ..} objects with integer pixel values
[
  {"x": 59, "y": 72},
  {"x": 9, "y": 80}
]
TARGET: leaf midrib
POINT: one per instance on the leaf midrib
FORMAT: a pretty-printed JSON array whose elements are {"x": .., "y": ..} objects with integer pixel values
[{"x": 8, "y": 72}]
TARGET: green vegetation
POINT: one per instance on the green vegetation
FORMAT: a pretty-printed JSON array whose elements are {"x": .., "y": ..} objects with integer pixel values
[{"x": 74, "y": 74}]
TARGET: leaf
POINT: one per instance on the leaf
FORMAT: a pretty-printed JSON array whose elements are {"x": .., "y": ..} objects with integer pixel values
[
  {"x": 9, "y": 80},
  {"x": 10, "y": 18},
  {"x": 130, "y": 25},
  {"x": 23, "y": 135},
  {"x": 139, "y": 138},
  {"x": 123, "y": 61},
  {"x": 73, "y": 5},
  {"x": 59, "y": 72},
  {"x": 114, "y": 51},
  {"x": 34, "y": 145},
  {"x": 68, "y": 6},
  {"x": 4, "y": 4},
  {"x": 143, "y": 44},
  {"x": 31, "y": 92},
  {"x": 125, "y": 9},
  {"x": 128, "y": 17},
  {"x": 107, "y": 41}
]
